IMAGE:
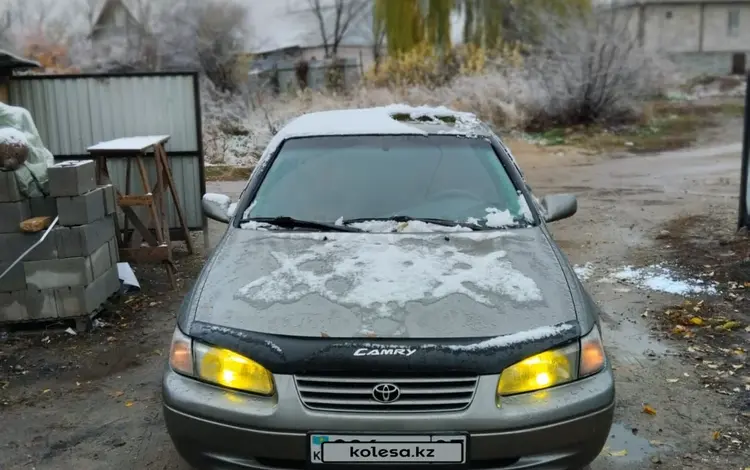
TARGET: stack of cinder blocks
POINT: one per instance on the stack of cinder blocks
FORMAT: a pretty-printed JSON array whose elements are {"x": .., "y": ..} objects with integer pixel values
[{"x": 74, "y": 270}]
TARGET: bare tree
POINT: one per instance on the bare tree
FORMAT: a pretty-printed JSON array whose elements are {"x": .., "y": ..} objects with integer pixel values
[
  {"x": 588, "y": 69},
  {"x": 343, "y": 14},
  {"x": 27, "y": 20},
  {"x": 208, "y": 35}
]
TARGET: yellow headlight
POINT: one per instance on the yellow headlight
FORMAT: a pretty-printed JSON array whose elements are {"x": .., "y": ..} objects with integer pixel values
[
  {"x": 544, "y": 370},
  {"x": 231, "y": 370}
]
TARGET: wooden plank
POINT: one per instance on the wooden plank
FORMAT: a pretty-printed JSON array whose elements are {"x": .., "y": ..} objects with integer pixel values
[
  {"x": 146, "y": 254},
  {"x": 103, "y": 178},
  {"x": 132, "y": 200},
  {"x": 161, "y": 154},
  {"x": 128, "y": 171},
  {"x": 140, "y": 228}
]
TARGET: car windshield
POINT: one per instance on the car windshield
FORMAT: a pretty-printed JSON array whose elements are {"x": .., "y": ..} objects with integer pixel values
[{"x": 336, "y": 179}]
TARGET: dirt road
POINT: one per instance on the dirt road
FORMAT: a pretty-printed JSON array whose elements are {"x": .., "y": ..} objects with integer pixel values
[{"x": 73, "y": 403}]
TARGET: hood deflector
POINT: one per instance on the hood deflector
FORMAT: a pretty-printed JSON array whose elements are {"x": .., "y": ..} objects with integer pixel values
[{"x": 295, "y": 355}]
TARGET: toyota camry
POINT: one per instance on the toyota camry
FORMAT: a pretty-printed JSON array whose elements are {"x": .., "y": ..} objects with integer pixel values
[{"x": 387, "y": 295}]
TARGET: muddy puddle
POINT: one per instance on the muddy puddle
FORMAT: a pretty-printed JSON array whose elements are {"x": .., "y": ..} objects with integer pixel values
[
  {"x": 632, "y": 338},
  {"x": 625, "y": 445}
]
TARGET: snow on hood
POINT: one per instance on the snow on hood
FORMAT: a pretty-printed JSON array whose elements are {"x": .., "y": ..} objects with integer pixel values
[
  {"x": 428, "y": 285},
  {"x": 363, "y": 274}
]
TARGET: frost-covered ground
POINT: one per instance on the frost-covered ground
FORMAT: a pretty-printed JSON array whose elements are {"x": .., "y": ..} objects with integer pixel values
[{"x": 658, "y": 278}]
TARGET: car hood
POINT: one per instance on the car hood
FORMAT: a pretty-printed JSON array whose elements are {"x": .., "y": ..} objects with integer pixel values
[{"x": 397, "y": 285}]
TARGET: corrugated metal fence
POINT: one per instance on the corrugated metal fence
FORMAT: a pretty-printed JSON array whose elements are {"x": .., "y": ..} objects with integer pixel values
[{"x": 73, "y": 112}]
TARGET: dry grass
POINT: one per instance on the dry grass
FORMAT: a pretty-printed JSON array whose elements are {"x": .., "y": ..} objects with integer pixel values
[
  {"x": 665, "y": 125},
  {"x": 227, "y": 173}
]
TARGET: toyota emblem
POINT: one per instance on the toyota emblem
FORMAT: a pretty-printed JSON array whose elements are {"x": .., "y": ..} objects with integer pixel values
[{"x": 386, "y": 393}]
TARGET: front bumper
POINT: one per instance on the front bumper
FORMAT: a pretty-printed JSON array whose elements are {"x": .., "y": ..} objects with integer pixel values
[{"x": 561, "y": 428}]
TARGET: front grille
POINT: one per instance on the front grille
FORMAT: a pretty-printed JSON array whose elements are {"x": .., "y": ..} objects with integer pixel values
[{"x": 354, "y": 394}]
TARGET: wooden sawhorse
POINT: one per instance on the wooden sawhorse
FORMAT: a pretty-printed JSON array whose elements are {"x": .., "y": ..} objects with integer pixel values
[{"x": 148, "y": 242}]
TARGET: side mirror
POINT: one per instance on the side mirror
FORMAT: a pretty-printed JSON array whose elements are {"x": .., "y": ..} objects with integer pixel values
[
  {"x": 559, "y": 206},
  {"x": 218, "y": 207}
]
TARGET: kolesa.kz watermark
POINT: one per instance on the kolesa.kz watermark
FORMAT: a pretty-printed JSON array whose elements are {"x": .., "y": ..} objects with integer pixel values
[
  {"x": 391, "y": 452},
  {"x": 417, "y": 452}
]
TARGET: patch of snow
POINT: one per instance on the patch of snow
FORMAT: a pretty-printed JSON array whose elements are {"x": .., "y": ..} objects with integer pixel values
[
  {"x": 496, "y": 218},
  {"x": 253, "y": 225},
  {"x": 223, "y": 201},
  {"x": 130, "y": 143},
  {"x": 416, "y": 112},
  {"x": 217, "y": 198},
  {"x": 584, "y": 272},
  {"x": 348, "y": 122},
  {"x": 414, "y": 226},
  {"x": 358, "y": 271},
  {"x": 232, "y": 209},
  {"x": 72, "y": 163},
  {"x": 525, "y": 210},
  {"x": 505, "y": 341},
  {"x": 10, "y": 135},
  {"x": 662, "y": 279},
  {"x": 274, "y": 346},
  {"x": 339, "y": 221},
  {"x": 497, "y": 342}
]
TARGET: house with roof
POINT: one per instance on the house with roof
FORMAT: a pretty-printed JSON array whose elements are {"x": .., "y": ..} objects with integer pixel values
[
  {"x": 120, "y": 34},
  {"x": 290, "y": 29},
  {"x": 702, "y": 36}
]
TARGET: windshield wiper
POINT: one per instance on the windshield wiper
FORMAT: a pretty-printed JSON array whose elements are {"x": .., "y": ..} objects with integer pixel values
[
  {"x": 291, "y": 222},
  {"x": 408, "y": 218}
]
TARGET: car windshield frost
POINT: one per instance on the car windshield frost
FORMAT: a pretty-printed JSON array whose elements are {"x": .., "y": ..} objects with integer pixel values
[{"x": 342, "y": 180}]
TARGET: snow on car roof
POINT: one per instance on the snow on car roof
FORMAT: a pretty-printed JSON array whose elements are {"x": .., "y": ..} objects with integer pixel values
[{"x": 392, "y": 119}]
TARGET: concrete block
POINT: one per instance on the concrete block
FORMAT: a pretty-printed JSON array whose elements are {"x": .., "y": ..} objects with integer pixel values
[
  {"x": 81, "y": 210},
  {"x": 83, "y": 300},
  {"x": 26, "y": 305},
  {"x": 13, "y": 307},
  {"x": 15, "y": 279},
  {"x": 84, "y": 239},
  {"x": 112, "y": 279},
  {"x": 110, "y": 199},
  {"x": 101, "y": 261},
  {"x": 114, "y": 252},
  {"x": 41, "y": 304},
  {"x": 58, "y": 273},
  {"x": 43, "y": 207},
  {"x": 9, "y": 187},
  {"x": 12, "y": 245},
  {"x": 72, "y": 178},
  {"x": 12, "y": 214}
]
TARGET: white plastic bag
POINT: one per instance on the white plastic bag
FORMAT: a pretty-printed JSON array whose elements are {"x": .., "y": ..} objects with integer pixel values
[{"x": 16, "y": 123}]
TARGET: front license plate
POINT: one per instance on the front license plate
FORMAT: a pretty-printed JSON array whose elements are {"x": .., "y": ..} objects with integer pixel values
[{"x": 387, "y": 449}]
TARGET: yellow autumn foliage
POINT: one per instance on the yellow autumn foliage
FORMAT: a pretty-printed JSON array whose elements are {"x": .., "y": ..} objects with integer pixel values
[{"x": 424, "y": 65}]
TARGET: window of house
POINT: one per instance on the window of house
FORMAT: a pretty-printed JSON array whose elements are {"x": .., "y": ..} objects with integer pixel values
[
  {"x": 669, "y": 15},
  {"x": 733, "y": 22},
  {"x": 120, "y": 18}
]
